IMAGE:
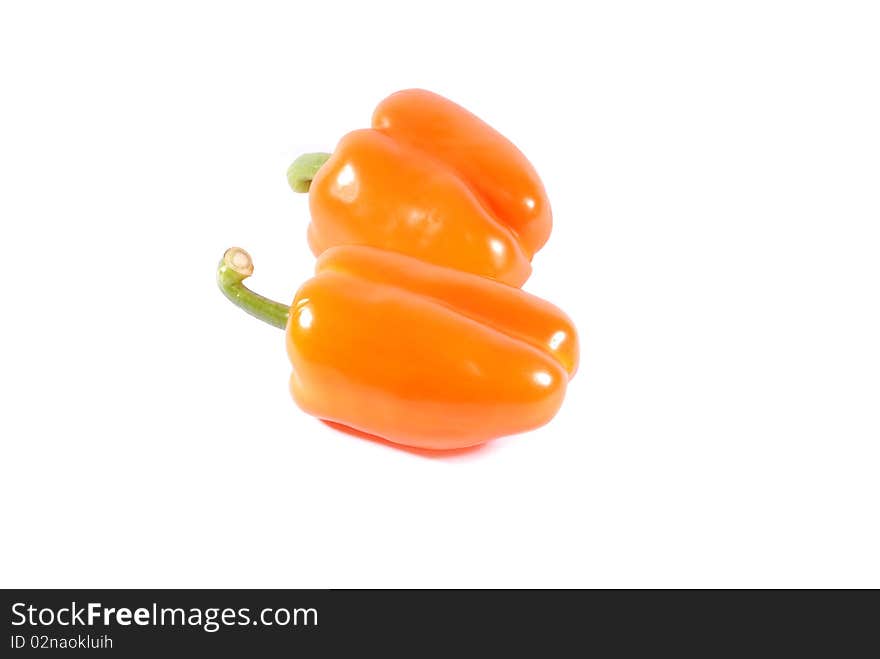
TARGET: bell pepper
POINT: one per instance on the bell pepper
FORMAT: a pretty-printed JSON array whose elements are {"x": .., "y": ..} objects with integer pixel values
[
  {"x": 431, "y": 180},
  {"x": 419, "y": 354}
]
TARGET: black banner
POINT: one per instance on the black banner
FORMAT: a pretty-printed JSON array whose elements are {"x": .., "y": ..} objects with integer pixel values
[{"x": 321, "y": 622}]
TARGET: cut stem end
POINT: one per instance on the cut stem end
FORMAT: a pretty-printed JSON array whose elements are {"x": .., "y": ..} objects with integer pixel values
[
  {"x": 236, "y": 266},
  {"x": 238, "y": 260}
]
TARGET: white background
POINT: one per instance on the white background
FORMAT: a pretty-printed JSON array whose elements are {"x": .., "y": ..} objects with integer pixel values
[{"x": 714, "y": 170}]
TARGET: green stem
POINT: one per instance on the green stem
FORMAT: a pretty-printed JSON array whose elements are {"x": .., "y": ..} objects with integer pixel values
[
  {"x": 236, "y": 266},
  {"x": 303, "y": 170}
]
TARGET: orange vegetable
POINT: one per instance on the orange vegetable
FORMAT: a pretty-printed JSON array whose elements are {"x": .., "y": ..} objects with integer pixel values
[
  {"x": 416, "y": 353},
  {"x": 431, "y": 180}
]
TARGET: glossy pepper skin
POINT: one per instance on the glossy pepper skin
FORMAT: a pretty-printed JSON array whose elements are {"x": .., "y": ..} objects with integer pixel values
[
  {"x": 419, "y": 354},
  {"x": 495, "y": 169},
  {"x": 435, "y": 358},
  {"x": 433, "y": 181}
]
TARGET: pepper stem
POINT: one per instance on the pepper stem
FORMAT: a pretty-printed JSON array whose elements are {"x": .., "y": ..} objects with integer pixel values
[
  {"x": 236, "y": 266},
  {"x": 303, "y": 170}
]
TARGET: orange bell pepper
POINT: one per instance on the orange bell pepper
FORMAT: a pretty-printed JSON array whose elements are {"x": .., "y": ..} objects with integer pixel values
[
  {"x": 416, "y": 353},
  {"x": 431, "y": 180}
]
